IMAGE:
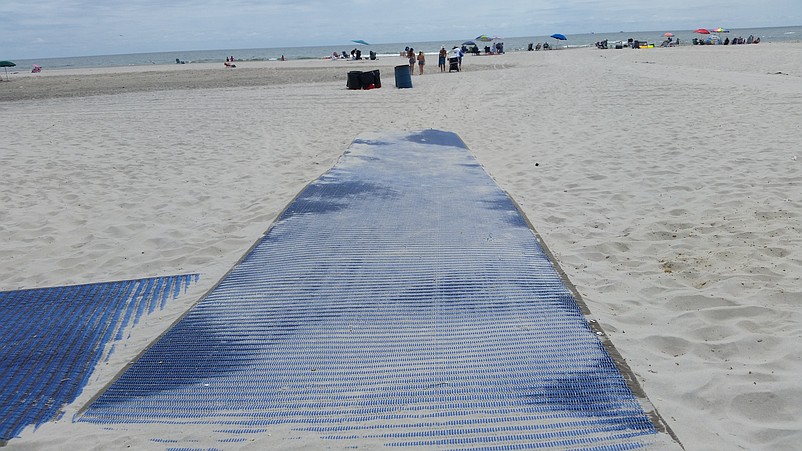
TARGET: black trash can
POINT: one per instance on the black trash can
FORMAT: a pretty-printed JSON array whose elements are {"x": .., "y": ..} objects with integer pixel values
[
  {"x": 354, "y": 80},
  {"x": 377, "y": 79},
  {"x": 366, "y": 80},
  {"x": 403, "y": 77}
]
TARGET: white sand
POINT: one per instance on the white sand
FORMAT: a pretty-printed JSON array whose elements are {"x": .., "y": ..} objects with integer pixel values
[{"x": 667, "y": 182}]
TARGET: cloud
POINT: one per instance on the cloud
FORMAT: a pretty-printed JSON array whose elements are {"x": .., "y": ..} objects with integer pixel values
[{"x": 51, "y": 28}]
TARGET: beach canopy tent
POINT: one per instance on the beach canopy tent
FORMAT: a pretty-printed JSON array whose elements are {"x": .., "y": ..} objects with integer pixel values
[
  {"x": 5, "y": 65},
  {"x": 468, "y": 43},
  {"x": 359, "y": 41}
]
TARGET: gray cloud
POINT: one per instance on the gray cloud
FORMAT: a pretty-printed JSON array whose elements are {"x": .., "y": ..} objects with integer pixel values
[{"x": 52, "y": 28}]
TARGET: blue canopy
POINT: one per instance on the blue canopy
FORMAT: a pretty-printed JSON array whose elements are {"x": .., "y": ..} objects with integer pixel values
[
  {"x": 559, "y": 36},
  {"x": 359, "y": 41}
]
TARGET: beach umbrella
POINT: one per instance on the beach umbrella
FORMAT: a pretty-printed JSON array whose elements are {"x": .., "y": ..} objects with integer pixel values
[
  {"x": 359, "y": 41},
  {"x": 721, "y": 30},
  {"x": 702, "y": 31},
  {"x": 5, "y": 65},
  {"x": 668, "y": 35},
  {"x": 559, "y": 37},
  {"x": 468, "y": 43},
  {"x": 483, "y": 38}
]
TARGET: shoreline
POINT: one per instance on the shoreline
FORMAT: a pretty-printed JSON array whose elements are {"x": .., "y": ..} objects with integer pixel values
[{"x": 63, "y": 83}]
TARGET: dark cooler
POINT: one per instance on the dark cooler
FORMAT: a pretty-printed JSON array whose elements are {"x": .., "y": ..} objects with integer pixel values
[{"x": 354, "y": 80}]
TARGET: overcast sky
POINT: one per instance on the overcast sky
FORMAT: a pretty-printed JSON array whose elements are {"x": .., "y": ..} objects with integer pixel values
[{"x": 55, "y": 28}]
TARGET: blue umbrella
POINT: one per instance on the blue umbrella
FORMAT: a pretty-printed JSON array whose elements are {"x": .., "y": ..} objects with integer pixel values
[
  {"x": 560, "y": 37},
  {"x": 359, "y": 41}
]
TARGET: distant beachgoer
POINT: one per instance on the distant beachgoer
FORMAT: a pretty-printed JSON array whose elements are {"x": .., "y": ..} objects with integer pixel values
[
  {"x": 441, "y": 60},
  {"x": 282, "y": 58},
  {"x": 411, "y": 59},
  {"x": 421, "y": 62}
]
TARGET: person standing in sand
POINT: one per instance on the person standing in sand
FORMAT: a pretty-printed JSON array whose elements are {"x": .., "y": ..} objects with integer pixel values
[
  {"x": 421, "y": 62},
  {"x": 441, "y": 59},
  {"x": 411, "y": 57}
]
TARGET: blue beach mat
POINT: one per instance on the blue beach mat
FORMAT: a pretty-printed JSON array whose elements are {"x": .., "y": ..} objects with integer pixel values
[
  {"x": 52, "y": 338},
  {"x": 400, "y": 300}
]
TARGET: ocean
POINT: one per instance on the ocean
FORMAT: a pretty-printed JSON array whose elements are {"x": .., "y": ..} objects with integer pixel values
[{"x": 512, "y": 44}]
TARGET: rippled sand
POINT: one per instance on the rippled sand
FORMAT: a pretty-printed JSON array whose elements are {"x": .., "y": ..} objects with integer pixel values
[{"x": 667, "y": 183}]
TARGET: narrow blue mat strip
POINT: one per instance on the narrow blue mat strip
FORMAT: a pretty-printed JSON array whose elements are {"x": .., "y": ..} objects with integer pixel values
[
  {"x": 400, "y": 300},
  {"x": 52, "y": 338}
]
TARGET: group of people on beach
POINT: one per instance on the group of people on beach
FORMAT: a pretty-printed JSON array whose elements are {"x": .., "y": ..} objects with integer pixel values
[
  {"x": 735, "y": 41},
  {"x": 533, "y": 47},
  {"x": 356, "y": 54},
  {"x": 419, "y": 58},
  {"x": 443, "y": 55},
  {"x": 496, "y": 48}
]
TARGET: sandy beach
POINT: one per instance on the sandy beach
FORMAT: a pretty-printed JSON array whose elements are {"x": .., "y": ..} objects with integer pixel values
[{"x": 666, "y": 182}]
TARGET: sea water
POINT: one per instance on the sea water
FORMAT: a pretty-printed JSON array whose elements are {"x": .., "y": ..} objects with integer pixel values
[{"x": 512, "y": 44}]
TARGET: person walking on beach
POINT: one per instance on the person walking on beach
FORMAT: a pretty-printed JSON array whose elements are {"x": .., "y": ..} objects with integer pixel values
[
  {"x": 441, "y": 60},
  {"x": 411, "y": 58},
  {"x": 421, "y": 62}
]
